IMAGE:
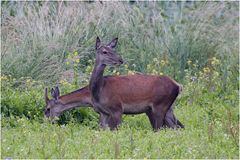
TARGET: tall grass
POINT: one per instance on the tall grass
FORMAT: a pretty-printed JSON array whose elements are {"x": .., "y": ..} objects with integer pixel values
[{"x": 37, "y": 36}]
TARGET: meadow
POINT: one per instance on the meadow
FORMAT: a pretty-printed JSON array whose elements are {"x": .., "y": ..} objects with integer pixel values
[{"x": 44, "y": 44}]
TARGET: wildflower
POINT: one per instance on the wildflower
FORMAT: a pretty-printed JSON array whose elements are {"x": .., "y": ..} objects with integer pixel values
[
  {"x": 161, "y": 73},
  {"x": 75, "y": 53},
  {"x": 193, "y": 78},
  {"x": 126, "y": 66},
  {"x": 216, "y": 74},
  {"x": 148, "y": 66},
  {"x": 77, "y": 60},
  {"x": 28, "y": 81},
  {"x": 118, "y": 73},
  {"x": 189, "y": 62},
  {"x": 155, "y": 60},
  {"x": 215, "y": 61},
  {"x": 69, "y": 56},
  {"x": 163, "y": 62},
  {"x": 206, "y": 70},
  {"x": 67, "y": 63},
  {"x": 154, "y": 71},
  {"x": 64, "y": 82},
  {"x": 3, "y": 77},
  {"x": 194, "y": 65},
  {"x": 130, "y": 72}
]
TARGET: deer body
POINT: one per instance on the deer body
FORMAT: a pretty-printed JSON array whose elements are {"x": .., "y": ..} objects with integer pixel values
[{"x": 135, "y": 94}]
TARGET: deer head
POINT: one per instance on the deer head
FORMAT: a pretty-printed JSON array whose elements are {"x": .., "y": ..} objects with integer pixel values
[
  {"x": 53, "y": 106},
  {"x": 105, "y": 54}
]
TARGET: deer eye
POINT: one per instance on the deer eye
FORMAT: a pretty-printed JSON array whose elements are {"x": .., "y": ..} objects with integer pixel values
[{"x": 104, "y": 52}]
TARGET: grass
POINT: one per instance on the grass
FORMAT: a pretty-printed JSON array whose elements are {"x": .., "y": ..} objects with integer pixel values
[
  {"x": 43, "y": 34},
  {"x": 134, "y": 139},
  {"x": 210, "y": 117},
  {"x": 44, "y": 44}
]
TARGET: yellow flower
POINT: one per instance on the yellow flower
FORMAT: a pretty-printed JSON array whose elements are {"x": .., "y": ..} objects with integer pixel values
[
  {"x": 28, "y": 81},
  {"x": 216, "y": 73},
  {"x": 3, "y": 77},
  {"x": 206, "y": 70},
  {"x": 155, "y": 60},
  {"x": 77, "y": 60},
  {"x": 130, "y": 72},
  {"x": 215, "y": 61},
  {"x": 163, "y": 62},
  {"x": 67, "y": 63},
  {"x": 75, "y": 53},
  {"x": 189, "y": 62},
  {"x": 69, "y": 56},
  {"x": 64, "y": 82},
  {"x": 126, "y": 66},
  {"x": 160, "y": 73},
  {"x": 154, "y": 71}
]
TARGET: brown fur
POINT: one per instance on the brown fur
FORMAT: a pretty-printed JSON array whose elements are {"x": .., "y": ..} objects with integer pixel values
[
  {"x": 135, "y": 94},
  {"x": 82, "y": 97}
]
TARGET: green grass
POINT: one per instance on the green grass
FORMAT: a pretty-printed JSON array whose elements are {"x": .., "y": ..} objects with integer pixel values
[
  {"x": 207, "y": 109},
  {"x": 134, "y": 139},
  {"x": 44, "y": 44}
]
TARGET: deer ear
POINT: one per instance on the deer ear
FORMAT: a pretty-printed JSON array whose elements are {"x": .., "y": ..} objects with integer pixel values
[
  {"x": 98, "y": 43},
  {"x": 113, "y": 43},
  {"x": 57, "y": 92},
  {"x": 46, "y": 96},
  {"x": 53, "y": 93}
]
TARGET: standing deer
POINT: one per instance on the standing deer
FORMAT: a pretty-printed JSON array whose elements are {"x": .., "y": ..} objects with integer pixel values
[
  {"x": 81, "y": 97},
  {"x": 114, "y": 95}
]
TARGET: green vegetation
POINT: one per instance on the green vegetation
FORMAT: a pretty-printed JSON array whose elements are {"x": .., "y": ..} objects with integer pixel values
[{"x": 49, "y": 43}]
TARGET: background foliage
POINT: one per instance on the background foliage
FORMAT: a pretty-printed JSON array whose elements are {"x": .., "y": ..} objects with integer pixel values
[{"x": 52, "y": 43}]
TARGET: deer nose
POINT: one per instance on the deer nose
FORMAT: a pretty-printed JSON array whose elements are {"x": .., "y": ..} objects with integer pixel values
[{"x": 121, "y": 61}]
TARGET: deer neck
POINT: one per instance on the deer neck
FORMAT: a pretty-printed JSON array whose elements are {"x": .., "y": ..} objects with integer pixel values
[
  {"x": 77, "y": 98},
  {"x": 96, "y": 81}
]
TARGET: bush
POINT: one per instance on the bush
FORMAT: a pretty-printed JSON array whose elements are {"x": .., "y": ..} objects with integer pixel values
[{"x": 38, "y": 36}]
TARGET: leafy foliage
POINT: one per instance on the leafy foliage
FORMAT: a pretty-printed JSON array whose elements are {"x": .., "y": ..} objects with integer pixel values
[{"x": 46, "y": 43}]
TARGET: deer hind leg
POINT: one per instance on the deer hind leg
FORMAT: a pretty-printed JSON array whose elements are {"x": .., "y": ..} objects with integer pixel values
[
  {"x": 179, "y": 124},
  {"x": 159, "y": 112},
  {"x": 103, "y": 123},
  {"x": 114, "y": 120},
  {"x": 170, "y": 119}
]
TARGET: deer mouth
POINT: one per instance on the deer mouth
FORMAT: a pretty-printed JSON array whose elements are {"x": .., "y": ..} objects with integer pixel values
[{"x": 118, "y": 63}]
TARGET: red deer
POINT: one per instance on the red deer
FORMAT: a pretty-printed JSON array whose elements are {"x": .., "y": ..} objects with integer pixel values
[
  {"x": 81, "y": 97},
  {"x": 114, "y": 95}
]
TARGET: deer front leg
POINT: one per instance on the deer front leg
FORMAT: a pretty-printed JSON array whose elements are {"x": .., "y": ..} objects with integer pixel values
[{"x": 103, "y": 120}]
